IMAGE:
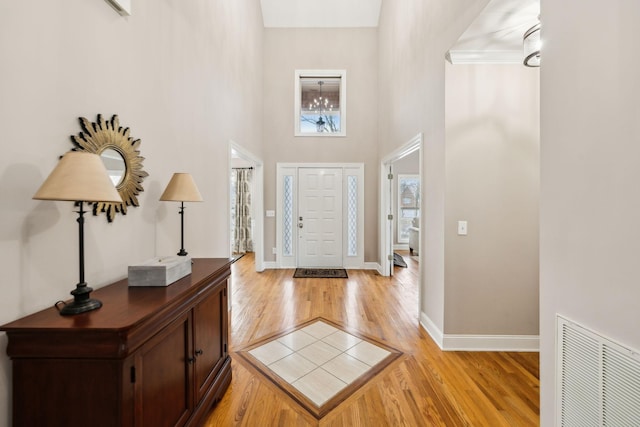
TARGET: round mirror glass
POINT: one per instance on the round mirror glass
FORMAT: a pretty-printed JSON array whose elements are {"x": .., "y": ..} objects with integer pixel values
[{"x": 114, "y": 162}]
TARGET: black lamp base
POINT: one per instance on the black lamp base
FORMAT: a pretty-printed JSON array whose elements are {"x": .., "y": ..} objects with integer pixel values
[
  {"x": 182, "y": 251},
  {"x": 81, "y": 302}
]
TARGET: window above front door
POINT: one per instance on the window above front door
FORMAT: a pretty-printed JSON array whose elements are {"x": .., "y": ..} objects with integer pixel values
[{"x": 320, "y": 103}]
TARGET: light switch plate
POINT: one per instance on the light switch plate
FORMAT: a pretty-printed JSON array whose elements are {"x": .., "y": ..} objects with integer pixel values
[
  {"x": 462, "y": 228},
  {"x": 270, "y": 213}
]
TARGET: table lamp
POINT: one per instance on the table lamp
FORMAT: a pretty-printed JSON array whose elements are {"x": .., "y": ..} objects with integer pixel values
[
  {"x": 79, "y": 177},
  {"x": 182, "y": 188}
]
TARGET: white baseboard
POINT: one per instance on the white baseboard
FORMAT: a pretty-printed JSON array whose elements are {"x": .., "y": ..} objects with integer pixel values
[
  {"x": 372, "y": 266},
  {"x": 454, "y": 342},
  {"x": 401, "y": 247},
  {"x": 459, "y": 342},
  {"x": 273, "y": 265},
  {"x": 431, "y": 328}
]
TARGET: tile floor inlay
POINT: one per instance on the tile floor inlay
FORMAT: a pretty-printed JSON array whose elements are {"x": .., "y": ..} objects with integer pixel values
[{"x": 319, "y": 363}]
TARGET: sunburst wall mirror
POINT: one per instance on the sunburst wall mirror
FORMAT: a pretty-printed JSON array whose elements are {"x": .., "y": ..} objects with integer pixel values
[{"x": 121, "y": 156}]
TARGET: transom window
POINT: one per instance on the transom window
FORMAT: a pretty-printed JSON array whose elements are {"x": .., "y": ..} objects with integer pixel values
[{"x": 320, "y": 104}]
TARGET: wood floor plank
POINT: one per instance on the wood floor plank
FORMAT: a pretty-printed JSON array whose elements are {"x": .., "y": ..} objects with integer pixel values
[{"x": 424, "y": 387}]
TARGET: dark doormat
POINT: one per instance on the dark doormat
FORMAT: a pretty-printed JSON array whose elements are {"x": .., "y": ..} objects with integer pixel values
[{"x": 321, "y": 273}]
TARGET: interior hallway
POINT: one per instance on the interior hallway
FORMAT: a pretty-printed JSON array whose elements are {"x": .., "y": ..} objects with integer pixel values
[{"x": 423, "y": 387}]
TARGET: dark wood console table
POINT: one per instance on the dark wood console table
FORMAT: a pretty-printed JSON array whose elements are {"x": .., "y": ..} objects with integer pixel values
[{"x": 152, "y": 356}]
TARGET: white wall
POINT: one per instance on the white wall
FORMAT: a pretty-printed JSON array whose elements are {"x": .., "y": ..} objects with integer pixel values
[
  {"x": 353, "y": 50},
  {"x": 492, "y": 182},
  {"x": 413, "y": 37},
  {"x": 184, "y": 76},
  {"x": 590, "y": 151}
]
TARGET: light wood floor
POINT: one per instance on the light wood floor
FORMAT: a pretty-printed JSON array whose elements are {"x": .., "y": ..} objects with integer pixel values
[{"x": 424, "y": 387}]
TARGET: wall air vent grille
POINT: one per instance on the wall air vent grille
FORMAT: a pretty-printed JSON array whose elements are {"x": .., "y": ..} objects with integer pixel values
[
  {"x": 620, "y": 388},
  {"x": 598, "y": 379}
]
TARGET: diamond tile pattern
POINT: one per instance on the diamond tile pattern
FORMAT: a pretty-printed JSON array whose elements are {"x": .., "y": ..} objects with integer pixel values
[
  {"x": 319, "y": 360},
  {"x": 352, "y": 215},
  {"x": 287, "y": 216}
]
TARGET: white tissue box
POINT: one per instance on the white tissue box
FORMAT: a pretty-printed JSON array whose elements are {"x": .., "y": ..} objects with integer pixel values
[{"x": 159, "y": 271}]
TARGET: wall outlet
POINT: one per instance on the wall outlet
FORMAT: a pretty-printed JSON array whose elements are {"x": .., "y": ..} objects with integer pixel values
[
  {"x": 274, "y": 251},
  {"x": 270, "y": 213}
]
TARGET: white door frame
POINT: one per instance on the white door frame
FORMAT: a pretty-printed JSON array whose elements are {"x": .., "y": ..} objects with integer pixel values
[
  {"x": 257, "y": 200},
  {"x": 385, "y": 234},
  {"x": 352, "y": 258}
]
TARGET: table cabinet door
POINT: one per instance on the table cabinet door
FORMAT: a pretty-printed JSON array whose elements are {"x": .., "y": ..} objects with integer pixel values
[
  {"x": 68, "y": 392},
  {"x": 210, "y": 338},
  {"x": 163, "y": 377}
]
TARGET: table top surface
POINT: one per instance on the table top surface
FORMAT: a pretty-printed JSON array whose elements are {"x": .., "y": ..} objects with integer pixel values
[{"x": 124, "y": 306}]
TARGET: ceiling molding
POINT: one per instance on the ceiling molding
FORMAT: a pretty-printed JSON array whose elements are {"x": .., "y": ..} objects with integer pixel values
[
  {"x": 495, "y": 36},
  {"x": 461, "y": 57}
]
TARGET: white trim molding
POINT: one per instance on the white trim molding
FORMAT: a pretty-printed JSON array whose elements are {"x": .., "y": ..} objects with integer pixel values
[
  {"x": 302, "y": 74},
  {"x": 432, "y": 329},
  {"x": 463, "y": 342},
  {"x": 257, "y": 199},
  {"x": 290, "y": 258},
  {"x": 458, "y": 57},
  {"x": 372, "y": 266},
  {"x": 385, "y": 236},
  {"x": 454, "y": 342},
  {"x": 273, "y": 265}
]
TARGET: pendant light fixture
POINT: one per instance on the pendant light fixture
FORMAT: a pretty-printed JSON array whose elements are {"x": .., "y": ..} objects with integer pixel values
[
  {"x": 531, "y": 44},
  {"x": 321, "y": 105}
]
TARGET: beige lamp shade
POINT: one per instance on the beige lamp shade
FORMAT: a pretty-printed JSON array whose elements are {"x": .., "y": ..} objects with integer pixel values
[
  {"x": 181, "y": 188},
  {"x": 79, "y": 177}
]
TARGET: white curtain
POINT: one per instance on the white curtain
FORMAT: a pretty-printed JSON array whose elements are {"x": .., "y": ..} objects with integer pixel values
[{"x": 241, "y": 210}]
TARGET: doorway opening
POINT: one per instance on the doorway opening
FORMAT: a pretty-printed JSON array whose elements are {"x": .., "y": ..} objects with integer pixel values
[
  {"x": 246, "y": 228},
  {"x": 400, "y": 203}
]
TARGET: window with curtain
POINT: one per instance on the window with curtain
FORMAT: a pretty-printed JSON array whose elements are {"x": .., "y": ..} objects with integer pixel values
[{"x": 242, "y": 241}]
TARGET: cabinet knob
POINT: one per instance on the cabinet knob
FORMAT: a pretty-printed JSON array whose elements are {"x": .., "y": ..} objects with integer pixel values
[
  {"x": 190, "y": 360},
  {"x": 199, "y": 352}
]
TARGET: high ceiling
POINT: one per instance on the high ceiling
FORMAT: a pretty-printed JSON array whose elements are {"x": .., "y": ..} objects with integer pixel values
[
  {"x": 496, "y": 34},
  {"x": 320, "y": 14},
  {"x": 494, "y": 37}
]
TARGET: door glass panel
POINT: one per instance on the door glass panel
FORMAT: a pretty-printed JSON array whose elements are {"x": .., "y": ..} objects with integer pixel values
[
  {"x": 287, "y": 216},
  {"x": 352, "y": 215}
]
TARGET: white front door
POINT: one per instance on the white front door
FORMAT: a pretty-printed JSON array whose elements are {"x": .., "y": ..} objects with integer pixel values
[{"x": 320, "y": 217}]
